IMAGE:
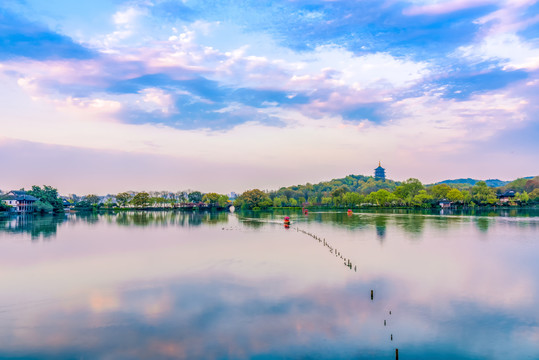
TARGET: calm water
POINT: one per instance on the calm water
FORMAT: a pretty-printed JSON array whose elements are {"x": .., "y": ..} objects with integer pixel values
[{"x": 240, "y": 286}]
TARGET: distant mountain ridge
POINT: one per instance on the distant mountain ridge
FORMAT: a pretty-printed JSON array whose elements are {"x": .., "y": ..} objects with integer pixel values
[{"x": 490, "y": 182}]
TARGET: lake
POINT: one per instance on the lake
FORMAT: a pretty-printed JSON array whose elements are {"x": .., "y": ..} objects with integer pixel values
[{"x": 169, "y": 285}]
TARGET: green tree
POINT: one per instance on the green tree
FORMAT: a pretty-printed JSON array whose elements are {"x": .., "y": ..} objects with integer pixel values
[
  {"x": 92, "y": 199},
  {"x": 534, "y": 195},
  {"x": 123, "y": 199},
  {"x": 180, "y": 195},
  {"x": 439, "y": 191},
  {"x": 4, "y": 206},
  {"x": 339, "y": 192},
  {"x": 266, "y": 203},
  {"x": 467, "y": 197},
  {"x": 326, "y": 200},
  {"x": 409, "y": 188},
  {"x": 423, "y": 199},
  {"x": 482, "y": 194},
  {"x": 195, "y": 197},
  {"x": 211, "y": 199},
  {"x": 352, "y": 199},
  {"x": 252, "y": 198},
  {"x": 516, "y": 185},
  {"x": 524, "y": 197},
  {"x": 109, "y": 203},
  {"x": 381, "y": 197},
  {"x": 455, "y": 195},
  {"x": 222, "y": 201},
  {"x": 43, "y": 207},
  {"x": 141, "y": 199},
  {"x": 277, "y": 202},
  {"x": 48, "y": 195}
]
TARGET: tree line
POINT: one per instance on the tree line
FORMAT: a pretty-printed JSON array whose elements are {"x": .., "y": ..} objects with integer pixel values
[
  {"x": 351, "y": 191},
  {"x": 358, "y": 190},
  {"x": 145, "y": 199}
]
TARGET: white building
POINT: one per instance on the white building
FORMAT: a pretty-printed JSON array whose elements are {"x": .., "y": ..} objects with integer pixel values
[{"x": 20, "y": 201}]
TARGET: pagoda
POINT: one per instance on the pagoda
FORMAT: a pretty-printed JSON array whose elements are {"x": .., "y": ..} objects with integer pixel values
[{"x": 380, "y": 172}]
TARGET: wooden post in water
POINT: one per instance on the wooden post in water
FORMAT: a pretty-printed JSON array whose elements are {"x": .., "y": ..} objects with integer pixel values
[
  {"x": 372, "y": 294},
  {"x": 396, "y": 354},
  {"x": 384, "y": 323}
]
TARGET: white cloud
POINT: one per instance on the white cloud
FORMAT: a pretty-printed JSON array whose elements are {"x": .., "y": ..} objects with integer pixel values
[
  {"x": 158, "y": 100},
  {"x": 509, "y": 49},
  {"x": 126, "y": 17}
]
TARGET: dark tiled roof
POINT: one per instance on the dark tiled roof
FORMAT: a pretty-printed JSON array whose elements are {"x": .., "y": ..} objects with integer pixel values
[
  {"x": 508, "y": 193},
  {"x": 19, "y": 195}
]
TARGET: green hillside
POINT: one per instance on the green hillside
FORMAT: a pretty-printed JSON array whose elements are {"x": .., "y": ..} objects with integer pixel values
[{"x": 468, "y": 181}]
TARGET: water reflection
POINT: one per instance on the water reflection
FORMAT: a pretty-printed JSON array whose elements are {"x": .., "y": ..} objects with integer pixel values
[
  {"x": 482, "y": 223},
  {"x": 37, "y": 226},
  {"x": 190, "y": 285},
  {"x": 410, "y": 220},
  {"x": 381, "y": 225},
  {"x": 46, "y": 226},
  {"x": 167, "y": 218}
]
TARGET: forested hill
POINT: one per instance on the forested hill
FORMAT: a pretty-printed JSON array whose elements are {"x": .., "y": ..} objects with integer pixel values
[
  {"x": 365, "y": 185},
  {"x": 351, "y": 183},
  {"x": 471, "y": 182},
  {"x": 359, "y": 190}
]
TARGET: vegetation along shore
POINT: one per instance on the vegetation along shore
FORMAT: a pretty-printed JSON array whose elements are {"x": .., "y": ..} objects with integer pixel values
[{"x": 353, "y": 191}]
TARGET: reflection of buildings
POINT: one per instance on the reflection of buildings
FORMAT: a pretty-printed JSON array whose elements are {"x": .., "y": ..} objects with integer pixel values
[
  {"x": 380, "y": 172},
  {"x": 16, "y": 223},
  {"x": 20, "y": 201},
  {"x": 35, "y": 226}
]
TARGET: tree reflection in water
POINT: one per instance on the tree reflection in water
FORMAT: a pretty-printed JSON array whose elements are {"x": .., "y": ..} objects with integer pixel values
[
  {"x": 46, "y": 226},
  {"x": 37, "y": 226}
]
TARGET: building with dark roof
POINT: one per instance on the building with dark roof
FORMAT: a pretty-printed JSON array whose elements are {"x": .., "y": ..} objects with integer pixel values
[
  {"x": 19, "y": 201},
  {"x": 380, "y": 172},
  {"x": 507, "y": 196}
]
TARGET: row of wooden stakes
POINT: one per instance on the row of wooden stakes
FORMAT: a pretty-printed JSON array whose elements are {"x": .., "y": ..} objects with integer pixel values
[{"x": 348, "y": 264}]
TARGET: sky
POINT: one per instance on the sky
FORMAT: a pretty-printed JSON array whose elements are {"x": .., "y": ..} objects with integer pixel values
[{"x": 214, "y": 95}]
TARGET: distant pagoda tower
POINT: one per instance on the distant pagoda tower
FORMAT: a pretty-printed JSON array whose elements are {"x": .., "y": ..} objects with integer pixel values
[{"x": 380, "y": 172}]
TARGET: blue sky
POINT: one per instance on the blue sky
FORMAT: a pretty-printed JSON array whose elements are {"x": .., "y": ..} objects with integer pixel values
[{"x": 231, "y": 95}]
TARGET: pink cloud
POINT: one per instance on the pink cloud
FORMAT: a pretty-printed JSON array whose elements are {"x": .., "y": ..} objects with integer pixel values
[{"x": 445, "y": 7}]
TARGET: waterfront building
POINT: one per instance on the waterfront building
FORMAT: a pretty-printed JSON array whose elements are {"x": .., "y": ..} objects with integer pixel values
[
  {"x": 380, "y": 172},
  {"x": 507, "y": 196},
  {"x": 19, "y": 201}
]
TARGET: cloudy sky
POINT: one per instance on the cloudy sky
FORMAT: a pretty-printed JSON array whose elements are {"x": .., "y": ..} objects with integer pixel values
[{"x": 110, "y": 95}]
